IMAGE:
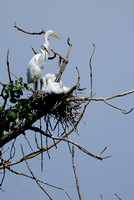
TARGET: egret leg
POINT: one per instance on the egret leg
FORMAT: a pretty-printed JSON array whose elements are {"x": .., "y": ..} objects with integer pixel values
[{"x": 36, "y": 85}]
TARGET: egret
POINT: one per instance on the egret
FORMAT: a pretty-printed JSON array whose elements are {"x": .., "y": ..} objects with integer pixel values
[
  {"x": 46, "y": 38},
  {"x": 50, "y": 87},
  {"x": 36, "y": 64}
]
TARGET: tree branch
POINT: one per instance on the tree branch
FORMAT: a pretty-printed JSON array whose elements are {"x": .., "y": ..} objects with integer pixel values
[
  {"x": 64, "y": 62},
  {"x": 117, "y": 196},
  {"x": 30, "y": 33},
  {"x": 31, "y": 177},
  {"x": 75, "y": 174},
  {"x": 8, "y": 68},
  {"x": 91, "y": 80},
  {"x": 34, "y": 175}
]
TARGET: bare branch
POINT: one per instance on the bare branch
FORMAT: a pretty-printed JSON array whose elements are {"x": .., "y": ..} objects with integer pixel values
[
  {"x": 8, "y": 68},
  {"x": 117, "y": 196},
  {"x": 31, "y": 177},
  {"x": 91, "y": 80},
  {"x": 34, "y": 50},
  {"x": 2, "y": 163},
  {"x": 105, "y": 100},
  {"x": 101, "y": 196},
  {"x": 34, "y": 175},
  {"x": 103, "y": 151},
  {"x": 64, "y": 62},
  {"x": 75, "y": 174},
  {"x": 30, "y": 33}
]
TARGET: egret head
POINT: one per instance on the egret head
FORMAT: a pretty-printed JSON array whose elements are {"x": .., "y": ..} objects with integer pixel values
[
  {"x": 51, "y": 33},
  {"x": 44, "y": 48}
]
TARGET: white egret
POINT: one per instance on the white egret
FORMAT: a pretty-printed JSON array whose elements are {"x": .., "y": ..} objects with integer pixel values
[
  {"x": 46, "y": 38},
  {"x": 36, "y": 64},
  {"x": 50, "y": 87}
]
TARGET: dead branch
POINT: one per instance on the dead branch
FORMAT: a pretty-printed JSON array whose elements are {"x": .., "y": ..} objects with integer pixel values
[
  {"x": 82, "y": 148},
  {"x": 31, "y": 177},
  {"x": 91, "y": 80},
  {"x": 105, "y": 100},
  {"x": 64, "y": 62},
  {"x": 59, "y": 139},
  {"x": 2, "y": 164},
  {"x": 34, "y": 175},
  {"x": 117, "y": 196},
  {"x": 8, "y": 68},
  {"x": 30, "y": 33},
  {"x": 101, "y": 196},
  {"x": 34, "y": 50},
  {"x": 102, "y": 151},
  {"x": 75, "y": 174},
  {"x": 69, "y": 141}
]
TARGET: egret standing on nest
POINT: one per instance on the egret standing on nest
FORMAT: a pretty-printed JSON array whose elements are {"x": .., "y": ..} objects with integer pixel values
[{"x": 36, "y": 64}]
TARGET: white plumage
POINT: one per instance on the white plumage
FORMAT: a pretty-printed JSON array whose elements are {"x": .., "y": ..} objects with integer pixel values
[
  {"x": 46, "y": 38},
  {"x": 50, "y": 87},
  {"x": 35, "y": 67},
  {"x": 36, "y": 64}
]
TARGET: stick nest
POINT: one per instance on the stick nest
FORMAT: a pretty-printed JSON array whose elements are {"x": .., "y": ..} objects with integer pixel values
[{"x": 57, "y": 110}]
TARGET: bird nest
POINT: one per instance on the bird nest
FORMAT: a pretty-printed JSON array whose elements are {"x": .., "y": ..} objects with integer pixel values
[{"x": 58, "y": 110}]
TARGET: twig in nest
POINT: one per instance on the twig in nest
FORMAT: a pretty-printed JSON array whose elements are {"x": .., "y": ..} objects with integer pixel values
[
  {"x": 75, "y": 174},
  {"x": 30, "y": 33}
]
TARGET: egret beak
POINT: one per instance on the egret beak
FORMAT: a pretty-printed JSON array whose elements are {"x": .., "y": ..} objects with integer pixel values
[
  {"x": 55, "y": 35},
  {"x": 47, "y": 51}
]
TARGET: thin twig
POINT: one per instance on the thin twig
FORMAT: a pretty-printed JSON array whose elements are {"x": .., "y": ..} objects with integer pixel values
[
  {"x": 101, "y": 196},
  {"x": 3, "y": 164},
  {"x": 117, "y": 196},
  {"x": 34, "y": 175},
  {"x": 69, "y": 141},
  {"x": 91, "y": 80},
  {"x": 8, "y": 68},
  {"x": 75, "y": 174},
  {"x": 31, "y": 177},
  {"x": 34, "y": 50},
  {"x": 102, "y": 151}
]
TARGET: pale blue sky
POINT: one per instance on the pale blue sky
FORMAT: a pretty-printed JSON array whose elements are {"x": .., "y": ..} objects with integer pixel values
[{"x": 110, "y": 25}]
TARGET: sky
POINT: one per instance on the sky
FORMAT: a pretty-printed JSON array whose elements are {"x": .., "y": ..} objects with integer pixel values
[{"x": 109, "y": 25}]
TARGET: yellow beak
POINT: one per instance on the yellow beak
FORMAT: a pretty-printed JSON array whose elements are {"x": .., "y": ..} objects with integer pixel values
[
  {"x": 55, "y": 35},
  {"x": 47, "y": 51}
]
